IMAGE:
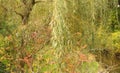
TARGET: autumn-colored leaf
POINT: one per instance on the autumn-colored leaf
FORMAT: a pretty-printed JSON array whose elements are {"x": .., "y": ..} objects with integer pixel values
[
  {"x": 83, "y": 57},
  {"x": 83, "y": 47},
  {"x": 9, "y": 37},
  {"x": 34, "y": 34}
]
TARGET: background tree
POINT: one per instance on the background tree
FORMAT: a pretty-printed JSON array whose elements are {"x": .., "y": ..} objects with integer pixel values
[{"x": 68, "y": 36}]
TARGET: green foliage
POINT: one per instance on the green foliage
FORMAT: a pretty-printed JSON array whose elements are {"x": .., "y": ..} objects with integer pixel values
[
  {"x": 2, "y": 68},
  {"x": 57, "y": 34},
  {"x": 116, "y": 41},
  {"x": 89, "y": 67}
]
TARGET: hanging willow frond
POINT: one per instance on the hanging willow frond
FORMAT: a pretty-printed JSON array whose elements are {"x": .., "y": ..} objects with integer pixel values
[
  {"x": 60, "y": 30},
  {"x": 79, "y": 16},
  {"x": 61, "y": 40}
]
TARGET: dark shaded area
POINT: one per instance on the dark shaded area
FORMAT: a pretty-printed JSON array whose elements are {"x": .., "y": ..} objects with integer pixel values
[
  {"x": 117, "y": 55},
  {"x": 118, "y": 2},
  {"x": 3, "y": 68}
]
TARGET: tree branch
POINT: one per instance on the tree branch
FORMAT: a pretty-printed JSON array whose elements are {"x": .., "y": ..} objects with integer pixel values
[
  {"x": 24, "y": 2},
  {"x": 42, "y": 1},
  {"x": 19, "y": 14},
  {"x": 33, "y": 2},
  {"x": 39, "y": 1},
  {"x": 4, "y": 7}
]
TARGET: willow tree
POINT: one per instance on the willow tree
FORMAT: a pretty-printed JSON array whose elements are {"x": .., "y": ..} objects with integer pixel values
[
  {"x": 90, "y": 18},
  {"x": 96, "y": 20},
  {"x": 60, "y": 31}
]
